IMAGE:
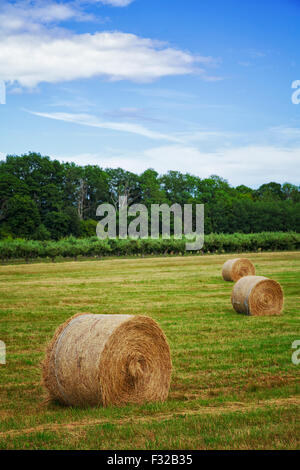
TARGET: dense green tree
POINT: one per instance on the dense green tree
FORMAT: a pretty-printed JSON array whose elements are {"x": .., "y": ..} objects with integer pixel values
[
  {"x": 63, "y": 223},
  {"x": 291, "y": 192},
  {"x": 22, "y": 216},
  {"x": 245, "y": 191},
  {"x": 123, "y": 183},
  {"x": 10, "y": 186},
  {"x": 270, "y": 191},
  {"x": 88, "y": 228},
  {"x": 150, "y": 188},
  {"x": 95, "y": 190},
  {"x": 176, "y": 187},
  {"x": 41, "y": 233},
  {"x": 42, "y": 198}
]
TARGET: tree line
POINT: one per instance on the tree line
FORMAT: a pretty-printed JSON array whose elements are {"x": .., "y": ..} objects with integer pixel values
[{"x": 43, "y": 199}]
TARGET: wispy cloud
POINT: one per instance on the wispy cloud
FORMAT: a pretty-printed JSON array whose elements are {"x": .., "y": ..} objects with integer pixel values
[
  {"x": 200, "y": 135},
  {"x": 93, "y": 121},
  {"x": 34, "y": 15},
  {"x": 238, "y": 165},
  {"x": 77, "y": 103},
  {"x": 134, "y": 114},
  {"x": 245, "y": 63},
  {"x": 255, "y": 54},
  {"x": 286, "y": 132},
  {"x": 164, "y": 93},
  {"x": 30, "y": 15},
  {"x": 114, "y": 3}
]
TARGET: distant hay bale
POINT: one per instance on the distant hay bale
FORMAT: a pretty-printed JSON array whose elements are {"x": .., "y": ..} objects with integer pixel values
[
  {"x": 107, "y": 360},
  {"x": 257, "y": 295},
  {"x": 236, "y": 268}
]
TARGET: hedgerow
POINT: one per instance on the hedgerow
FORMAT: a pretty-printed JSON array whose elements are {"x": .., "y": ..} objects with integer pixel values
[{"x": 93, "y": 247}]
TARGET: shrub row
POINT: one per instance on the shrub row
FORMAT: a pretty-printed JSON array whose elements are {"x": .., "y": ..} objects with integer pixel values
[{"x": 93, "y": 247}]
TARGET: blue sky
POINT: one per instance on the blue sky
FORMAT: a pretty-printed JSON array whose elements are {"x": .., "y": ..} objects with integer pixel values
[{"x": 192, "y": 85}]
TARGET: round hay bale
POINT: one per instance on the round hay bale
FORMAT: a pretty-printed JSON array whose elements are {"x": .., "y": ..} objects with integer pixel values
[
  {"x": 257, "y": 295},
  {"x": 107, "y": 360},
  {"x": 236, "y": 268}
]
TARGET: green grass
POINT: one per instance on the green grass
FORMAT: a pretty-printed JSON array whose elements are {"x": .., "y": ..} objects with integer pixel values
[{"x": 233, "y": 385}]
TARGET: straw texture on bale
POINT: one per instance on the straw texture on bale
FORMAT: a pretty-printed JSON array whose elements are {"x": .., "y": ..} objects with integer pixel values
[
  {"x": 236, "y": 268},
  {"x": 107, "y": 360},
  {"x": 257, "y": 295}
]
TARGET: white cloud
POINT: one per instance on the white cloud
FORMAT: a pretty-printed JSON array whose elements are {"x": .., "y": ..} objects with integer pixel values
[
  {"x": 200, "y": 135},
  {"x": 93, "y": 121},
  {"x": 35, "y": 49},
  {"x": 33, "y": 15},
  {"x": 185, "y": 138},
  {"x": 250, "y": 165},
  {"x": 31, "y": 59},
  {"x": 116, "y": 3},
  {"x": 256, "y": 54},
  {"x": 164, "y": 93},
  {"x": 290, "y": 133},
  {"x": 132, "y": 113},
  {"x": 112, "y": 3},
  {"x": 30, "y": 15}
]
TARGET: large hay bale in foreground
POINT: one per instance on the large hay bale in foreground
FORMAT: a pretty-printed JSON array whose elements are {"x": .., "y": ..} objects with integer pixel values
[
  {"x": 257, "y": 295},
  {"x": 236, "y": 268},
  {"x": 108, "y": 360}
]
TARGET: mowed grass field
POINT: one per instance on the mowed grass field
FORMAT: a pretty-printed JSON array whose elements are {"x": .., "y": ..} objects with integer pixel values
[{"x": 233, "y": 386}]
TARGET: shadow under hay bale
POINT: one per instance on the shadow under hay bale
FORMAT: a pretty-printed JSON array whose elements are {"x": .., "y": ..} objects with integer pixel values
[
  {"x": 107, "y": 360},
  {"x": 257, "y": 295}
]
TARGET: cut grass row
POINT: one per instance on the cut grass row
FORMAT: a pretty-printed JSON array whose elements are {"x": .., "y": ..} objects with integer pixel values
[{"x": 235, "y": 427}]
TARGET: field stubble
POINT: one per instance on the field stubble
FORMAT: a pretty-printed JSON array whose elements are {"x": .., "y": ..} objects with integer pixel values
[{"x": 233, "y": 384}]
